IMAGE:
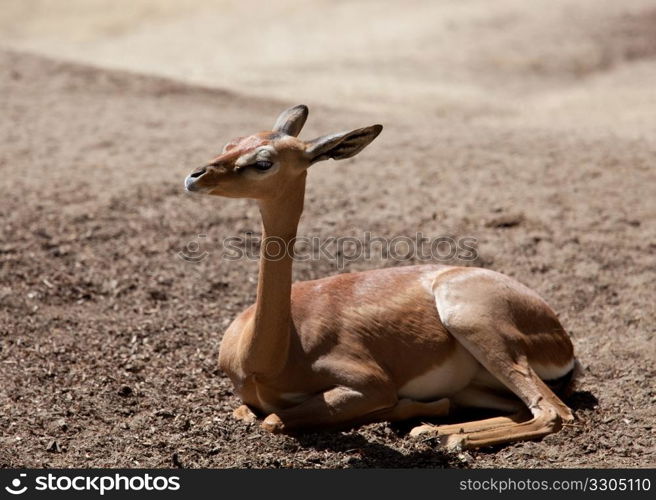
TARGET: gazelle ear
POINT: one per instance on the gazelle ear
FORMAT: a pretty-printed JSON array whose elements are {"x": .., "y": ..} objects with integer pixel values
[
  {"x": 291, "y": 120},
  {"x": 341, "y": 145}
]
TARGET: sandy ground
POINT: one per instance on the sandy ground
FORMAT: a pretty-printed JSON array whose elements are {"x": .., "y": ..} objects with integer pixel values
[{"x": 529, "y": 129}]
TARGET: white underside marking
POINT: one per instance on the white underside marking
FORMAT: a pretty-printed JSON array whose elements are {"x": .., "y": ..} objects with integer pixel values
[
  {"x": 552, "y": 372},
  {"x": 442, "y": 380}
]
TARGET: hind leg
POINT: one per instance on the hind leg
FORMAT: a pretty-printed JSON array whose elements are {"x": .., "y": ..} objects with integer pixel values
[
  {"x": 547, "y": 411},
  {"x": 480, "y": 314},
  {"x": 480, "y": 397},
  {"x": 469, "y": 427}
]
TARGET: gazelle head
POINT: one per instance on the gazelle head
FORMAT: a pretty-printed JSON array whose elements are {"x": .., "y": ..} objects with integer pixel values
[{"x": 263, "y": 165}]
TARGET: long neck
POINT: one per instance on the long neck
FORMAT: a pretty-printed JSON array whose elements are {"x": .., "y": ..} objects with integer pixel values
[{"x": 266, "y": 345}]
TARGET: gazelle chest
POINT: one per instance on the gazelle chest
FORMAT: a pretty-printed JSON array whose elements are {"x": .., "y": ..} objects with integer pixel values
[{"x": 442, "y": 379}]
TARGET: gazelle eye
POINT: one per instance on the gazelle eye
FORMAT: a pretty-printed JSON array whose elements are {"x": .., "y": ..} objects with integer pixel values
[{"x": 263, "y": 165}]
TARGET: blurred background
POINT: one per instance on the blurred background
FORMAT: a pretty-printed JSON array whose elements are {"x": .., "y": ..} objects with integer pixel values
[{"x": 544, "y": 61}]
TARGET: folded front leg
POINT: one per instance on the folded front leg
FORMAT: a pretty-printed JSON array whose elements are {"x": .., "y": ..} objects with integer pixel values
[{"x": 335, "y": 408}]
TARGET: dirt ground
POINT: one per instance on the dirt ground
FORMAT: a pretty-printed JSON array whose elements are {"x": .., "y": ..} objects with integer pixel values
[{"x": 109, "y": 339}]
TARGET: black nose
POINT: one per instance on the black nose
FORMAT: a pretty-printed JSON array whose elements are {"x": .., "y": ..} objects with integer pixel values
[{"x": 198, "y": 173}]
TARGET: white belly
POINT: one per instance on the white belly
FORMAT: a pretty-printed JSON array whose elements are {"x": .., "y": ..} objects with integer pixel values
[{"x": 443, "y": 380}]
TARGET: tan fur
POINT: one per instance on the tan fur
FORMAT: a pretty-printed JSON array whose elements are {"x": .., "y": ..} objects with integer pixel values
[{"x": 343, "y": 350}]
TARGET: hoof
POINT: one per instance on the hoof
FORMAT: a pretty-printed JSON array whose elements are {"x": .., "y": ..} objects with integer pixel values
[
  {"x": 273, "y": 424},
  {"x": 244, "y": 414},
  {"x": 454, "y": 442},
  {"x": 450, "y": 442},
  {"x": 424, "y": 431}
]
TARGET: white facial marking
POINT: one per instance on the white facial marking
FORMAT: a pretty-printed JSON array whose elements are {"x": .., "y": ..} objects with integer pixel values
[{"x": 264, "y": 153}]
